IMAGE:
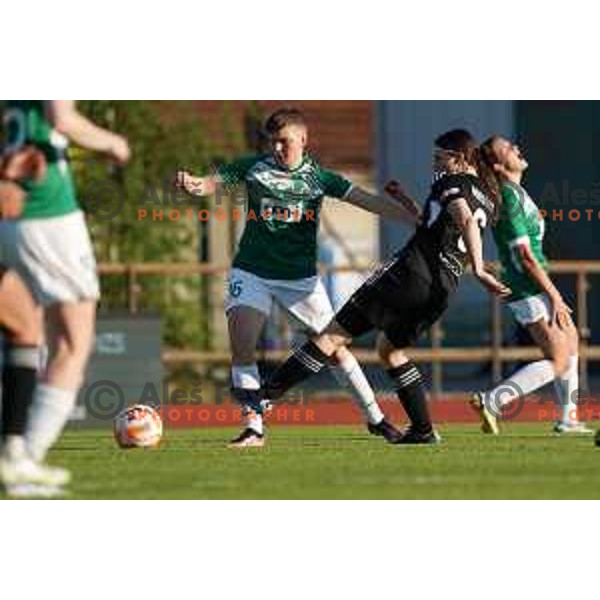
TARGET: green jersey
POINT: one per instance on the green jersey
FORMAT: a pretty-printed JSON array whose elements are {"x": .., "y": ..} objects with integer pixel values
[
  {"x": 519, "y": 223},
  {"x": 26, "y": 122},
  {"x": 282, "y": 220}
]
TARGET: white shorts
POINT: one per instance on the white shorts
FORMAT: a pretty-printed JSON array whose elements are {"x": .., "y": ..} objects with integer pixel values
[
  {"x": 54, "y": 256},
  {"x": 306, "y": 299},
  {"x": 532, "y": 309}
]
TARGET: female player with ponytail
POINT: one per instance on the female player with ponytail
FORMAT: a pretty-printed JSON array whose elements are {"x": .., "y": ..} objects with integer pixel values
[
  {"x": 535, "y": 302},
  {"x": 406, "y": 295}
]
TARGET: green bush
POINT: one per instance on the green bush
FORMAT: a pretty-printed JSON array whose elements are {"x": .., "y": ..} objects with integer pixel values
[{"x": 163, "y": 136}]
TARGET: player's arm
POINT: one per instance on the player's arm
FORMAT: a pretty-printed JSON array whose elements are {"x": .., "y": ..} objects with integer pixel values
[
  {"x": 386, "y": 206},
  {"x": 531, "y": 266},
  {"x": 26, "y": 163},
  {"x": 396, "y": 191},
  {"x": 232, "y": 173},
  {"x": 67, "y": 120},
  {"x": 336, "y": 186},
  {"x": 471, "y": 233}
]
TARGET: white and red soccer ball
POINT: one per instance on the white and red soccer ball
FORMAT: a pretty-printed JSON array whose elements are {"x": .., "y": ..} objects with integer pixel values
[{"x": 138, "y": 426}]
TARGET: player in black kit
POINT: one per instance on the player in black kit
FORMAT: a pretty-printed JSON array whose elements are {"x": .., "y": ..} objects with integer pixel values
[{"x": 406, "y": 295}]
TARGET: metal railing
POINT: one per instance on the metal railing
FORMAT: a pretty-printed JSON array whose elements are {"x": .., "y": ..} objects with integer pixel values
[{"x": 495, "y": 353}]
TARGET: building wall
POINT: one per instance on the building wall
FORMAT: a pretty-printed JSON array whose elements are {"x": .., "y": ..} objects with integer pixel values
[
  {"x": 561, "y": 140},
  {"x": 405, "y": 134},
  {"x": 341, "y": 130}
]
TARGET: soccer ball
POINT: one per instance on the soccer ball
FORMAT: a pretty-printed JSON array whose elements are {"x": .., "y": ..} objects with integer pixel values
[{"x": 138, "y": 426}]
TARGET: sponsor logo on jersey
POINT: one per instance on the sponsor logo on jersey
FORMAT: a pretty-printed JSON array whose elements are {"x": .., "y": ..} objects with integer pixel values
[{"x": 298, "y": 183}]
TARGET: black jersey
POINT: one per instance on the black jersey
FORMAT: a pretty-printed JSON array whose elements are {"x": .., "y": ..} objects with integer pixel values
[
  {"x": 406, "y": 295},
  {"x": 437, "y": 246}
]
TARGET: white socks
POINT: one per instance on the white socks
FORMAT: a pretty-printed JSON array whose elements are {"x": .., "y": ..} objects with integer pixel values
[
  {"x": 48, "y": 415},
  {"x": 526, "y": 380},
  {"x": 567, "y": 391},
  {"x": 349, "y": 374},
  {"x": 254, "y": 421},
  {"x": 534, "y": 376},
  {"x": 13, "y": 447},
  {"x": 247, "y": 377}
]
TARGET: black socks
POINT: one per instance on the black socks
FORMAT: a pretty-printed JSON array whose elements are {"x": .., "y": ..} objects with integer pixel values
[
  {"x": 411, "y": 392},
  {"x": 305, "y": 361},
  {"x": 19, "y": 378}
]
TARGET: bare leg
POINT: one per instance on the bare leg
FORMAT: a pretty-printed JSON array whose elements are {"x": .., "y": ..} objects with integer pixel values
[
  {"x": 560, "y": 346},
  {"x": 556, "y": 344},
  {"x": 21, "y": 320},
  {"x": 245, "y": 326},
  {"x": 71, "y": 330},
  {"x": 18, "y": 313}
]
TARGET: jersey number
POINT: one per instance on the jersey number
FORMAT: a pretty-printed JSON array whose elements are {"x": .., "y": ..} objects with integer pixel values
[
  {"x": 284, "y": 214},
  {"x": 480, "y": 217},
  {"x": 15, "y": 123}
]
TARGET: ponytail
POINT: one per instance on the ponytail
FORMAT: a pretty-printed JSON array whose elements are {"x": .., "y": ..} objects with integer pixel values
[
  {"x": 481, "y": 158},
  {"x": 487, "y": 175}
]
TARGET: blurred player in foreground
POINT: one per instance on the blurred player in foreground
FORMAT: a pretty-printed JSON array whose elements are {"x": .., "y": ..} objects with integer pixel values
[
  {"x": 277, "y": 259},
  {"x": 49, "y": 246},
  {"x": 535, "y": 302},
  {"x": 405, "y": 296},
  {"x": 22, "y": 330}
]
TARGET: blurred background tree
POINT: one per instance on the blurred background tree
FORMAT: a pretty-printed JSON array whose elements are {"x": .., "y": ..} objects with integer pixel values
[{"x": 164, "y": 136}]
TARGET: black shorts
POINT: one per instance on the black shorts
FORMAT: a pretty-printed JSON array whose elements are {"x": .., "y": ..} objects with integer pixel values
[{"x": 397, "y": 300}]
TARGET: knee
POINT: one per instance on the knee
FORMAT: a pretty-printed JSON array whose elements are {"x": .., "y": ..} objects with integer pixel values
[
  {"x": 391, "y": 356},
  {"x": 334, "y": 345},
  {"x": 384, "y": 349},
  {"x": 560, "y": 362},
  {"x": 28, "y": 330},
  {"x": 574, "y": 340},
  {"x": 72, "y": 350},
  {"x": 333, "y": 339},
  {"x": 342, "y": 354},
  {"x": 243, "y": 356}
]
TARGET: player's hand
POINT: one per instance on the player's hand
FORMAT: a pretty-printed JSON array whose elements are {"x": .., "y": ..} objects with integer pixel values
[
  {"x": 26, "y": 163},
  {"x": 492, "y": 284},
  {"x": 12, "y": 199},
  {"x": 184, "y": 180},
  {"x": 561, "y": 312},
  {"x": 119, "y": 150}
]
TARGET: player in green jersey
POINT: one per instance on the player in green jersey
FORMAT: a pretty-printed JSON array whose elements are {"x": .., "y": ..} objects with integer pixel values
[
  {"x": 277, "y": 258},
  {"x": 22, "y": 329},
  {"x": 50, "y": 248},
  {"x": 535, "y": 303}
]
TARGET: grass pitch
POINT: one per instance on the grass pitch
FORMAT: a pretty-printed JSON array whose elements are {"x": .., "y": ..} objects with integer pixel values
[{"x": 334, "y": 463}]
